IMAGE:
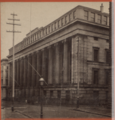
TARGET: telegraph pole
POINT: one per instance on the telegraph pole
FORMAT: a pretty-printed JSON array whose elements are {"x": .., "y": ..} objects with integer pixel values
[{"x": 13, "y": 72}]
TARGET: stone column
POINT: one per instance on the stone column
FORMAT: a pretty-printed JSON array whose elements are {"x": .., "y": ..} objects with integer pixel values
[
  {"x": 11, "y": 75},
  {"x": 56, "y": 63},
  {"x": 65, "y": 62},
  {"x": 53, "y": 64},
  {"x": 22, "y": 72},
  {"x": 46, "y": 64},
  {"x": 17, "y": 78},
  {"x": 19, "y": 72},
  {"x": 61, "y": 62},
  {"x": 15, "y": 74},
  {"x": 9, "y": 78},
  {"x": 24, "y": 76},
  {"x": 72, "y": 60},
  {"x": 50, "y": 66},
  {"x": 38, "y": 68},
  {"x": 28, "y": 71},
  {"x": 33, "y": 71},
  {"x": 69, "y": 62},
  {"x": 21, "y": 76},
  {"x": 43, "y": 63},
  {"x": 35, "y": 66}
]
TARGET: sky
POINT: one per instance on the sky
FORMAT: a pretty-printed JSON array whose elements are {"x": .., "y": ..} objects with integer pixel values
[{"x": 32, "y": 15}]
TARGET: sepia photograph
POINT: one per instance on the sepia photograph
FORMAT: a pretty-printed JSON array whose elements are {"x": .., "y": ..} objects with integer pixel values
[{"x": 56, "y": 60}]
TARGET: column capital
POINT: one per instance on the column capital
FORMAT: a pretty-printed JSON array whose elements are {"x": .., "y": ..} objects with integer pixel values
[
  {"x": 23, "y": 57},
  {"x": 30, "y": 55},
  {"x": 62, "y": 41},
  {"x": 19, "y": 59},
  {"x": 55, "y": 44},
  {"x": 27, "y": 55},
  {"x": 42, "y": 49},
  {"x": 49, "y": 47},
  {"x": 65, "y": 40},
  {"x": 37, "y": 51},
  {"x": 16, "y": 60}
]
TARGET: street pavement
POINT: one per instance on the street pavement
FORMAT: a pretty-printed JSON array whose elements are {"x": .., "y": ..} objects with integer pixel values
[{"x": 50, "y": 111}]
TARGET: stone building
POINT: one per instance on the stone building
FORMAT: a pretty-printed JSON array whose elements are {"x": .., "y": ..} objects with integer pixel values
[
  {"x": 4, "y": 78},
  {"x": 111, "y": 46},
  {"x": 71, "y": 53}
]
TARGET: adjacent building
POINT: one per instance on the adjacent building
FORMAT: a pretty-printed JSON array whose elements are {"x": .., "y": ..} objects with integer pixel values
[
  {"x": 4, "y": 78},
  {"x": 111, "y": 46},
  {"x": 70, "y": 53}
]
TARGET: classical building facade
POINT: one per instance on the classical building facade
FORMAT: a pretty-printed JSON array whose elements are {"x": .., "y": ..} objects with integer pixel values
[
  {"x": 71, "y": 54},
  {"x": 4, "y": 78}
]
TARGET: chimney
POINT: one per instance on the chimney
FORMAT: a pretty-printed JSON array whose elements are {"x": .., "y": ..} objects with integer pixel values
[{"x": 101, "y": 7}]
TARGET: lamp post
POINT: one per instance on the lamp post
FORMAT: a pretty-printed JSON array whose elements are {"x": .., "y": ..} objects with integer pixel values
[{"x": 41, "y": 80}]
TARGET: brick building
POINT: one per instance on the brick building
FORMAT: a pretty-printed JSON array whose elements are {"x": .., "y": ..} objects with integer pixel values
[
  {"x": 71, "y": 53},
  {"x": 4, "y": 78}
]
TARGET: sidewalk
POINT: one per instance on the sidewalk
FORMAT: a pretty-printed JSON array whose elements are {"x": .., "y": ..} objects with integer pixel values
[
  {"x": 7, "y": 113},
  {"x": 95, "y": 110}
]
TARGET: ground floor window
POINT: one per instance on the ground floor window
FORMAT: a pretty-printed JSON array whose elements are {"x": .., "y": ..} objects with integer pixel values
[
  {"x": 67, "y": 95},
  {"x": 95, "y": 76}
]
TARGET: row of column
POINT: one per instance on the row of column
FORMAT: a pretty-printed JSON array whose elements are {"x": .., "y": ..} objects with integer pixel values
[{"x": 52, "y": 63}]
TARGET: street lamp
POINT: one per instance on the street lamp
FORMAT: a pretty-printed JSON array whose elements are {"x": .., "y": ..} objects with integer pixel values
[{"x": 41, "y": 80}]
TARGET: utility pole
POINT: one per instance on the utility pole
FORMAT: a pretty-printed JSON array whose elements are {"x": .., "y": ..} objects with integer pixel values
[{"x": 13, "y": 72}]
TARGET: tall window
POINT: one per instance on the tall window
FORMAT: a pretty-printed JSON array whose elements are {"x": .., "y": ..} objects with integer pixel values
[
  {"x": 105, "y": 20},
  {"x": 95, "y": 76},
  {"x": 58, "y": 23},
  {"x": 65, "y": 19},
  {"x": 69, "y": 17},
  {"x": 49, "y": 29},
  {"x": 99, "y": 18},
  {"x": 106, "y": 76},
  {"x": 46, "y": 31},
  {"x": 67, "y": 95},
  {"x": 96, "y": 96},
  {"x": 96, "y": 54},
  {"x": 36, "y": 36},
  {"x": 73, "y": 14},
  {"x": 92, "y": 17},
  {"x": 107, "y": 56},
  {"x": 6, "y": 73},
  {"x": 51, "y": 94},
  {"x": 58, "y": 94},
  {"x": 62, "y": 21},
  {"x": 86, "y": 15},
  {"x": 106, "y": 95},
  {"x": 52, "y": 27},
  {"x": 55, "y": 26}
]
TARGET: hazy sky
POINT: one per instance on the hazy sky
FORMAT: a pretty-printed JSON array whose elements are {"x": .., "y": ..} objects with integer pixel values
[{"x": 32, "y": 15}]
